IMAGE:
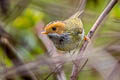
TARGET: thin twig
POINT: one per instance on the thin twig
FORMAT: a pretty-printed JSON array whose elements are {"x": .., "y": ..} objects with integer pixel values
[
  {"x": 51, "y": 52},
  {"x": 54, "y": 71},
  {"x": 83, "y": 65},
  {"x": 109, "y": 7}
]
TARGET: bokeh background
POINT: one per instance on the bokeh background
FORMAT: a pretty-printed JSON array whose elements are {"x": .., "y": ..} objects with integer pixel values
[{"x": 24, "y": 19}]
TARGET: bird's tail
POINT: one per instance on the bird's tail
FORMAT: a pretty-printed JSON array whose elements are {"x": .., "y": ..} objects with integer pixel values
[{"x": 77, "y": 14}]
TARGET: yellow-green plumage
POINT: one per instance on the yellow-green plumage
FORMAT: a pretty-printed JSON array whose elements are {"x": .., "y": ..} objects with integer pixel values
[
  {"x": 74, "y": 27},
  {"x": 73, "y": 24},
  {"x": 73, "y": 34}
]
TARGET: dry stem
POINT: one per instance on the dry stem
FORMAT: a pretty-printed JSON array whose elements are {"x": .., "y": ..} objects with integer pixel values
[{"x": 109, "y": 7}]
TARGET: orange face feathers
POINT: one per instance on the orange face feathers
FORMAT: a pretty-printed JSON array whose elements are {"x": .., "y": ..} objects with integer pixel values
[{"x": 55, "y": 27}]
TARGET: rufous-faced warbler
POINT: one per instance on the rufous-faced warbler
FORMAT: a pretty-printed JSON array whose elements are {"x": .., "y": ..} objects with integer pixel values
[{"x": 68, "y": 34}]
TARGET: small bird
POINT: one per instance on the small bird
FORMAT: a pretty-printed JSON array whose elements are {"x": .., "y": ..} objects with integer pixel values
[{"x": 68, "y": 34}]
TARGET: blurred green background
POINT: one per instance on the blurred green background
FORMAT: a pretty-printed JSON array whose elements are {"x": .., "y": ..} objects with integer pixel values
[{"x": 22, "y": 17}]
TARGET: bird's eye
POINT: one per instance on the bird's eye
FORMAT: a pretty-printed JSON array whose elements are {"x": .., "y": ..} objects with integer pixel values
[{"x": 54, "y": 28}]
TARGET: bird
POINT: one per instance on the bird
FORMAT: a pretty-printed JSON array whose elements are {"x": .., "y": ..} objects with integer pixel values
[{"x": 66, "y": 34}]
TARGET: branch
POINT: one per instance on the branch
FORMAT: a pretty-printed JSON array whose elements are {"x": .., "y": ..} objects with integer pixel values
[
  {"x": 51, "y": 52},
  {"x": 115, "y": 72},
  {"x": 10, "y": 13},
  {"x": 4, "y": 5},
  {"x": 109, "y": 7},
  {"x": 7, "y": 43}
]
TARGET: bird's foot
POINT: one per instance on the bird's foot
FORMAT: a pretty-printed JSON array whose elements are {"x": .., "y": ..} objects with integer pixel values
[{"x": 86, "y": 38}]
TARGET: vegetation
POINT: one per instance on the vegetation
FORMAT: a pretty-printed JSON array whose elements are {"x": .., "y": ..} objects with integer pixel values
[{"x": 25, "y": 54}]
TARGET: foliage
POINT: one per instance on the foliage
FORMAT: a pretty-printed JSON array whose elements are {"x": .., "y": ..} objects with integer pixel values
[{"x": 23, "y": 26}]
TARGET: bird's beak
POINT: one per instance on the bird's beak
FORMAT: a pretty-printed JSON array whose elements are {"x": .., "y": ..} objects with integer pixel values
[{"x": 44, "y": 32}]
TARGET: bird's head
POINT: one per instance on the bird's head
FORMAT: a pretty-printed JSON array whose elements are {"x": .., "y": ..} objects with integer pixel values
[
  {"x": 65, "y": 35},
  {"x": 54, "y": 27}
]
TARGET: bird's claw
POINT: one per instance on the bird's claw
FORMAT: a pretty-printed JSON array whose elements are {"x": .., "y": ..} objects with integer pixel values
[{"x": 86, "y": 38}]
